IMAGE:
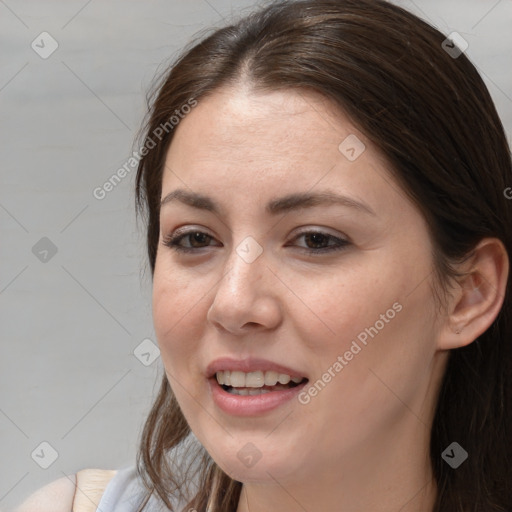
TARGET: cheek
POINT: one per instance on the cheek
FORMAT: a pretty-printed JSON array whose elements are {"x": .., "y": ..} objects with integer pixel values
[
  {"x": 349, "y": 303},
  {"x": 375, "y": 379},
  {"x": 373, "y": 311},
  {"x": 175, "y": 306}
]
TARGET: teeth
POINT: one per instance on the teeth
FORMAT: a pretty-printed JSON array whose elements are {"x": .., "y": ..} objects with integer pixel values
[
  {"x": 284, "y": 379},
  {"x": 237, "y": 379},
  {"x": 257, "y": 379},
  {"x": 271, "y": 378},
  {"x": 245, "y": 391}
]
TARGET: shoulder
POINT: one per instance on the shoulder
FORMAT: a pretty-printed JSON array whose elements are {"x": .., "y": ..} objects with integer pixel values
[
  {"x": 69, "y": 492},
  {"x": 57, "y": 496}
]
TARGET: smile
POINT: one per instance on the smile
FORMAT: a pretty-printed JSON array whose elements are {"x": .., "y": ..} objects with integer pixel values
[
  {"x": 255, "y": 383},
  {"x": 253, "y": 397}
]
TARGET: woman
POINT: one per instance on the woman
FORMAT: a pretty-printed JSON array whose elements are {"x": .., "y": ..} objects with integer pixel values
[{"x": 324, "y": 186}]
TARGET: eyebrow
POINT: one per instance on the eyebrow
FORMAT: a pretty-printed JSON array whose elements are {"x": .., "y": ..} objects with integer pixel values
[{"x": 283, "y": 204}]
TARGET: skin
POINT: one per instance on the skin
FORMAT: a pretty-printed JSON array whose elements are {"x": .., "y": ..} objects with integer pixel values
[{"x": 362, "y": 442}]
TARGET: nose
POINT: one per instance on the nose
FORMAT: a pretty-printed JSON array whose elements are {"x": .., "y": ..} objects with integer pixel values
[{"x": 246, "y": 297}]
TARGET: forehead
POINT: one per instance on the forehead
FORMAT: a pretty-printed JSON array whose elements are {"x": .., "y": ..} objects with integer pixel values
[
  {"x": 239, "y": 123},
  {"x": 249, "y": 147}
]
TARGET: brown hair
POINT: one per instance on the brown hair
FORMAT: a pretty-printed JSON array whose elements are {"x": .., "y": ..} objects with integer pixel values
[{"x": 433, "y": 119}]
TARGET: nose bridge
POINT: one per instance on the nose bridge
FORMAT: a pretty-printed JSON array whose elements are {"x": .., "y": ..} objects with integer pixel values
[
  {"x": 241, "y": 295},
  {"x": 245, "y": 264}
]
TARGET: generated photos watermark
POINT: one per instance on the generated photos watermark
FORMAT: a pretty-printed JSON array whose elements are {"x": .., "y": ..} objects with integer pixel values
[
  {"x": 312, "y": 390},
  {"x": 158, "y": 133}
]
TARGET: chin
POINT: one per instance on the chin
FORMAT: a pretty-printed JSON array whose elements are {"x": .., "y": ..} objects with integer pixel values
[
  {"x": 246, "y": 463},
  {"x": 261, "y": 472}
]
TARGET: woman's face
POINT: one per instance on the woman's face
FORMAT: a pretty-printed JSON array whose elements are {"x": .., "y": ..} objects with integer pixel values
[{"x": 337, "y": 292}]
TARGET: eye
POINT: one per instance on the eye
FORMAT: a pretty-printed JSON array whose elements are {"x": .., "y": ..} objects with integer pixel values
[
  {"x": 194, "y": 236},
  {"x": 320, "y": 238},
  {"x": 198, "y": 240}
]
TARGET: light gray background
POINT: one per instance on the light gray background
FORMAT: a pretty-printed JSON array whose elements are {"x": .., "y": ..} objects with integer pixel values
[{"x": 70, "y": 325}]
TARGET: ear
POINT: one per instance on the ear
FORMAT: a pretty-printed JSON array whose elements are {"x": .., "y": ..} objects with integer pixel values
[{"x": 478, "y": 296}]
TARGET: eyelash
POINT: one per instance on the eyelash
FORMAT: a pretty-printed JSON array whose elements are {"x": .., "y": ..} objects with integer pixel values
[{"x": 172, "y": 241}]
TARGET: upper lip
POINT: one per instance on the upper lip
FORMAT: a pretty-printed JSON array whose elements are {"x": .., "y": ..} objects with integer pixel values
[{"x": 250, "y": 364}]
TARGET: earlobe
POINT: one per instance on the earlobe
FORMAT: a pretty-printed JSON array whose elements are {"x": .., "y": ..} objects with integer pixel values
[{"x": 479, "y": 296}]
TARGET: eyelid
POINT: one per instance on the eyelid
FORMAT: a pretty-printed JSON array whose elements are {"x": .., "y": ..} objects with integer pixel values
[
  {"x": 323, "y": 231},
  {"x": 316, "y": 229}
]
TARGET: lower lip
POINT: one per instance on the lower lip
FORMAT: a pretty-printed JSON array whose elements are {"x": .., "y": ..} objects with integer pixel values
[{"x": 247, "y": 405}]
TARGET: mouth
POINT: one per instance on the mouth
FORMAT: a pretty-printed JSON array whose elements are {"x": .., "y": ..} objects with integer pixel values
[
  {"x": 253, "y": 393},
  {"x": 256, "y": 383},
  {"x": 252, "y": 386}
]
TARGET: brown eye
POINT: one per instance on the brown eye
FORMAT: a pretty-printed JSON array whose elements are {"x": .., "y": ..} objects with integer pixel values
[
  {"x": 195, "y": 238},
  {"x": 318, "y": 242}
]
